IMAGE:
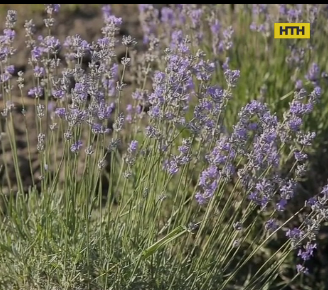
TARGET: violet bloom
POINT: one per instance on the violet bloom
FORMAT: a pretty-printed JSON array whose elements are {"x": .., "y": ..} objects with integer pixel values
[
  {"x": 171, "y": 166},
  {"x": 39, "y": 71},
  {"x": 50, "y": 8},
  {"x": 307, "y": 251},
  {"x": 298, "y": 85},
  {"x": 50, "y": 44},
  {"x": 149, "y": 20},
  {"x": 313, "y": 74},
  {"x": 295, "y": 235},
  {"x": 271, "y": 225},
  {"x": 76, "y": 146},
  {"x": 302, "y": 269},
  {"x": 208, "y": 184},
  {"x": 60, "y": 112},
  {"x": 36, "y": 92},
  {"x": 58, "y": 94},
  {"x": 133, "y": 146},
  {"x": 167, "y": 16}
]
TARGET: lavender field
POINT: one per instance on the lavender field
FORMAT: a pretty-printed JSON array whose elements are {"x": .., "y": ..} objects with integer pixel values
[{"x": 163, "y": 146}]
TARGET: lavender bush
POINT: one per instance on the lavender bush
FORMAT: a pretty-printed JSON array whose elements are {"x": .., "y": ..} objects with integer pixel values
[{"x": 193, "y": 167}]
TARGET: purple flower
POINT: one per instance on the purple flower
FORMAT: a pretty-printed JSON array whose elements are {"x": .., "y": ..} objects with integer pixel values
[
  {"x": 215, "y": 26},
  {"x": 203, "y": 70},
  {"x": 221, "y": 153},
  {"x": 298, "y": 85},
  {"x": 281, "y": 205},
  {"x": 77, "y": 47},
  {"x": 104, "y": 112},
  {"x": 293, "y": 15},
  {"x": 103, "y": 42},
  {"x": 287, "y": 191},
  {"x": 51, "y": 106},
  {"x": 36, "y": 53},
  {"x": 50, "y": 44},
  {"x": 5, "y": 77},
  {"x": 299, "y": 156},
  {"x": 295, "y": 124},
  {"x": 171, "y": 166},
  {"x": 262, "y": 193},
  {"x": 311, "y": 202},
  {"x": 208, "y": 184},
  {"x": 56, "y": 7},
  {"x": 106, "y": 9},
  {"x": 133, "y": 146},
  {"x": 148, "y": 18},
  {"x": 232, "y": 77},
  {"x": 80, "y": 91},
  {"x": 315, "y": 95},
  {"x": 201, "y": 199},
  {"x": 313, "y": 74},
  {"x": 112, "y": 23},
  {"x": 58, "y": 94},
  {"x": 271, "y": 225},
  {"x": 184, "y": 149},
  {"x": 76, "y": 146},
  {"x": 253, "y": 27},
  {"x": 298, "y": 108},
  {"x": 8, "y": 35},
  {"x": 76, "y": 116},
  {"x": 195, "y": 17},
  {"x": 167, "y": 16},
  {"x": 36, "y": 92},
  {"x": 129, "y": 110},
  {"x": 283, "y": 9},
  {"x": 50, "y": 8},
  {"x": 10, "y": 69},
  {"x": 295, "y": 235},
  {"x": 225, "y": 65},
  {"x": 176, "y": 38},
  {"x": 99, "y": 129},
  {"x": 4, "y": 53},
  {"x": 324, "y": 191},
  {"x": 208, "y": 175},
  {"x": 60, "y": 112},
  {"x": 39, "y": 71},
  {"x": 170, "y": 97},
  {"x": 302, "y": 269},
  {"x": 307, "y": 252},
  {"x": 259, "y": 9}
]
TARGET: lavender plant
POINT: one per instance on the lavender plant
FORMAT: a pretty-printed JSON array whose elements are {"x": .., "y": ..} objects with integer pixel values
[
  {"x": 191, "y": 200},
  {"x": 277, "y": 66}
]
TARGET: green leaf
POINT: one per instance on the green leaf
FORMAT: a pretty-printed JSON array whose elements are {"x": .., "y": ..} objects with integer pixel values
[{"x": 176, "y": 233}]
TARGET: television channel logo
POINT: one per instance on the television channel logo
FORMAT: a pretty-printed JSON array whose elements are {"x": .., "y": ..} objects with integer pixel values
[{"x": 292, "y": 30}]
